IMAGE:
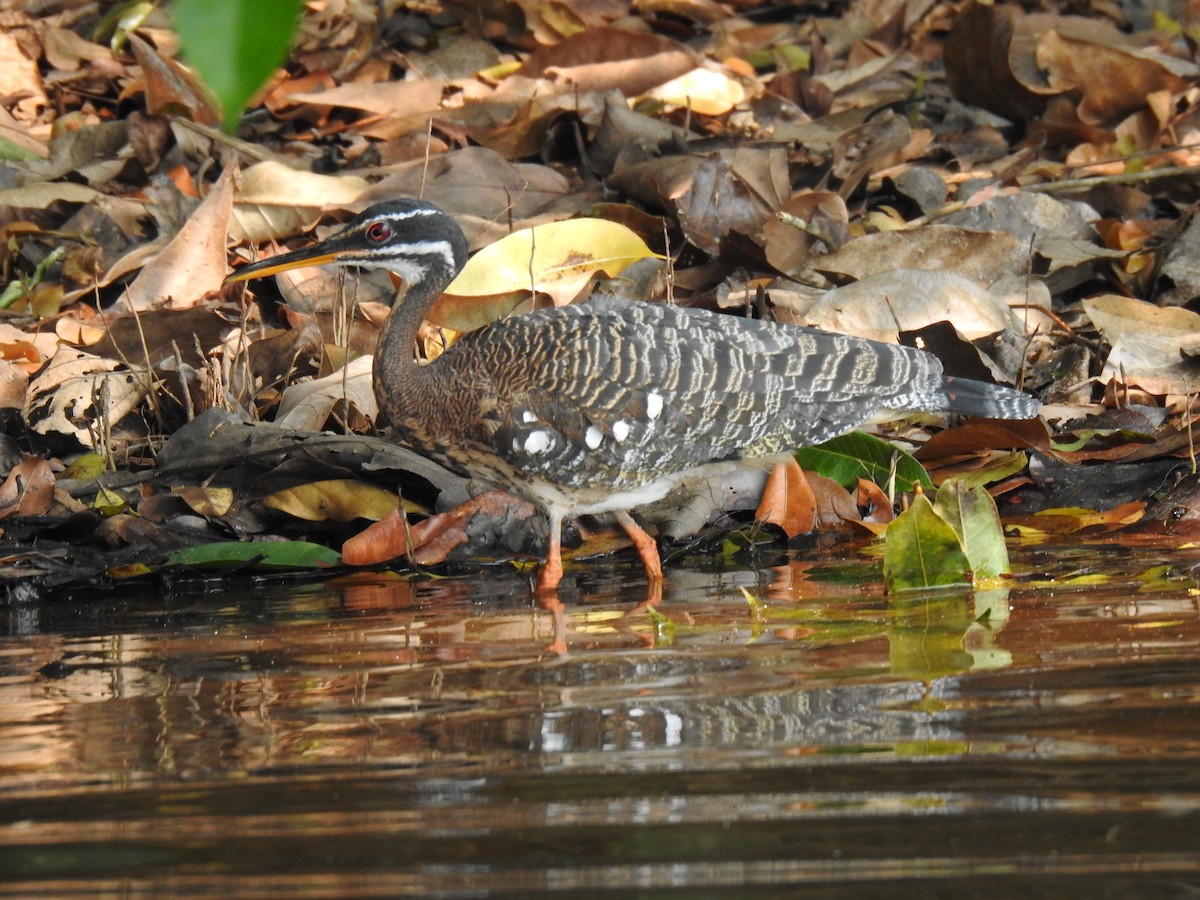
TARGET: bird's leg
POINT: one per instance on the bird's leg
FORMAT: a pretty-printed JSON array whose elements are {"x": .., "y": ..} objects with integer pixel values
[
  {"x": 646, "y": 547},
  {"x": 551, "y": 571}
]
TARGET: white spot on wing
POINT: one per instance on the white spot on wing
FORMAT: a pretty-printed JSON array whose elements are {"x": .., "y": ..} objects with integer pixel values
[
  {"x": 528, "y": 417},
  {"x": 654, "y": 404},
  {"x": 538, "y": 442},
  {"x": 592, "y": 437},
  {"x": 620, "y": 430}
]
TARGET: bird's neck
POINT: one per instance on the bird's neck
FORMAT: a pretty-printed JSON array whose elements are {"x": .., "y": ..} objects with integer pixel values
[{"x": 401, "y": 384}]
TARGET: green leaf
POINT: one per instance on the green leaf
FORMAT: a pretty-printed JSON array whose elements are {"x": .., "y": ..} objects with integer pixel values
[
  {"x": 921, "y": 550},
  {"x": 235, "y": 45},
  {"x": 996, "y": 469},
  {"x": 10, "y": 152},
  {"x": 856, "y": 455},
  {"x": 971, "y": 512},
  {"x": 262, "y": 555}
]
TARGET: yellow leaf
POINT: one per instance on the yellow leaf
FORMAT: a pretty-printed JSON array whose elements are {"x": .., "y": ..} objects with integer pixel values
[
  {"x": 557, "y": 258},
  {"x": 109, "y": 503},
  {"x": 704, "y": 91},
  {"x": 206, "y": 501},
  {"x": 342, "y": 500},
  {"x": 85, "y": 467},
  {"x": 133, "y": 570}
]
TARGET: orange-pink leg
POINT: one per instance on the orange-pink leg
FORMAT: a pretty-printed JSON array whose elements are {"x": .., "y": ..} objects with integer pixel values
[
  {"x": 647, "y": 549},
  {"x": 551, "y": 571}
]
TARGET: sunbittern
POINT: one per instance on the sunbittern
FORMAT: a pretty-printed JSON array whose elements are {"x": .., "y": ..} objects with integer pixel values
[{"x": 606, "y": 405}]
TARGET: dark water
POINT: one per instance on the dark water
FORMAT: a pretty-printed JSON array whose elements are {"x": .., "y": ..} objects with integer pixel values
[{"x": 380, "y": 736}]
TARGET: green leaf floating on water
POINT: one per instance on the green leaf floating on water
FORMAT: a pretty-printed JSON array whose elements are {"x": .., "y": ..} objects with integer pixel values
[
  {"x": 856, "y": 455},
  {"x": 921, "y": 550},
  {"x": 971, "y": 512},
  {"x": 275, "y": 555}
]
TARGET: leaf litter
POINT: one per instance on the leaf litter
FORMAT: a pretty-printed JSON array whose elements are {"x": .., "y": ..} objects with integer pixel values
[{"x": 959, "y": 176}]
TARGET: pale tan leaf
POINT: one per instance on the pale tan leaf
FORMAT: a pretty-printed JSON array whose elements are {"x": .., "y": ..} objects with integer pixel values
[
  {"x": 193, "y": 263},
  {"x": 883, "y": 304},
  {"x": 1146, "y": 342},
  {"x": 274, "y": 201},
  {"x": 41, "y": 194},
  {"x": 69, "y": 395},
  {"x": 308, "y": 405},
  {"x": 389, "y": 98},
  {"x": 708, "y": 91},
  {"x": 13, "y": 384}
]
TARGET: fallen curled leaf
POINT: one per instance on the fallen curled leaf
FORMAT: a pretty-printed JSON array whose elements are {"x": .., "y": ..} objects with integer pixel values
[
  {"x": 881, "y": 305},
  {"x": 834, "y": 503},
  {"x": 872, "y": 498},
  {"x": 379, "y": 542},
  {"x": 788, "y": 500},
  {"x": 605, "y": 59},
  {"x": 986, "y": 434},
  {"x": 28, "y": 490},
  {"x": 13, "y": 383}
]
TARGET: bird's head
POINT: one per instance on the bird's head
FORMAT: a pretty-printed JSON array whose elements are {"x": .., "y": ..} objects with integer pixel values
[{"x": 412, "y": 238}]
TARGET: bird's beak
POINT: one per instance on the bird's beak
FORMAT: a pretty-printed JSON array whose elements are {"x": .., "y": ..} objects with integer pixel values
[{"x": 316, "y": 255}]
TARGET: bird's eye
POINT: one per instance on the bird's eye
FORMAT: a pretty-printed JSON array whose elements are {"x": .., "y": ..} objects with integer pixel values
[{"x": 378, "y": 232}]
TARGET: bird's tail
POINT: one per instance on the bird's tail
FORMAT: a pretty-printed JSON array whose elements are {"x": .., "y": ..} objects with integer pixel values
[{"x": 975, "y": 398}]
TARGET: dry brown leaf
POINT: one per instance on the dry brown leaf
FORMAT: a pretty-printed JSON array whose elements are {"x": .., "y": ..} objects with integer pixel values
[
  {"x": 307, "y": 406},
  {"x": 882, "y": 305},
  {"x": 713, "y": 194},
  {"x": 40, "y": 194},
  {"x": 788, "y": 500},
  {"x": 28, "y": 490},
  {"x": 871, "y": 497},
  {"x": 379, "y": 542},
  {"x": 834, "y": 503},
  {"x": 19, "y": 77},
  {"x": 193, "y": 263},
  {"x": 985, "y": 434},
  {"x": 808, "y": 222},
  {"x": 1146, "y": 344},
  {"x": 69, "y": 395},
  {"x": 486, "y": 193},
  {"x": 383, "y": 98},
  {"x": 170, "y": 84},
  {"x": 67, "y": 51},
  {"x": 274, "y": 201},
  {"x": 13, "y": 383},
  {"x": 984, "y": 256},
  {"x": 1111, "y": 81},
  {"x": 605, "y": 59},
  {"x": 979, "y": 66}
]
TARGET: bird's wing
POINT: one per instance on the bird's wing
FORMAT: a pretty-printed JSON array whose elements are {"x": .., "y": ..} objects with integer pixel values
[{"x": 627, "y": 391}]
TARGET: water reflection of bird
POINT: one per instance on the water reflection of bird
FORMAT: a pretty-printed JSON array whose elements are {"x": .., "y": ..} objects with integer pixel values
[{"x": 606, "y": 405}]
